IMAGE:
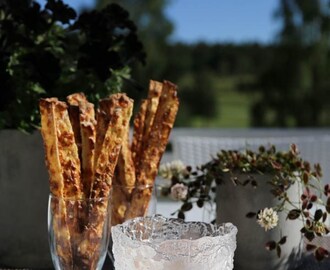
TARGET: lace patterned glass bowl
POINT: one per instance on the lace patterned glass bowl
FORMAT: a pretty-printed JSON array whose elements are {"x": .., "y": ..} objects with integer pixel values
[{"x": 159, "y": 243}]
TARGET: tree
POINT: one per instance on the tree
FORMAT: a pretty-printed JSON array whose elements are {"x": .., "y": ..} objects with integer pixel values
[
  {"x": 53, "y": 52},
  {"x": 154, "y": 31},
  {"x": 295, "y": 88}
]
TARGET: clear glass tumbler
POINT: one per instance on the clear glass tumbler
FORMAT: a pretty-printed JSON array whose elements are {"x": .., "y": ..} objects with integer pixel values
[
  {"x": 79, "y": 232},
  {"x": 160, "y": 243}
]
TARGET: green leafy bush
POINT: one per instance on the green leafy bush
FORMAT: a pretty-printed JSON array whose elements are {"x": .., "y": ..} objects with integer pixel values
[{"x": 51, "y": 51}]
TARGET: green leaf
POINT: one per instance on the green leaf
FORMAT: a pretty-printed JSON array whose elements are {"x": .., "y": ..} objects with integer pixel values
[
  {"x": 37, "y": 89},
  {"x": 181, "y": 215},
  {"x": 310, "y": 247},
  {"x": 305, "y": 178},
  {"x": 251, "y": 215},
  {"x": 278, "y": 251},
  {"x": 200, "y": 203},
  {"x": 247, "y": 181},
  {"x": 293, "y": 214},
  {"x": 186, "y": 206},
  {"x": 271, "y": 245},
  {"x": 283, "y": 240},
  {"x": 309, "y": 235},
  {"x": 318, "y": 215}
]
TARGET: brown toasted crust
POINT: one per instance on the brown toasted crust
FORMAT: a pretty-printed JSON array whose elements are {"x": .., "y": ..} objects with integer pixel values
[
  {"x": 138, "y": 132},
  {"x": 156, "y": 144},
  {"x": 61, "y": 150},
  {"x": 74, "y": 100},
  {"x": 102, "y": 123},
  {"x": 82, "y": 117},
  {"x": 124, "y": 182},
  {"x": 125, "y": 170},
  {"x": 149, "y": 119},
  {"x": 118, "y": 109},
  {"x": 49, "y": 134},
  {"x": 139, "y": 203},
  {"x": 145, "y": 124},
  {"x": 63, "y": 175},
  {"x": 155, "y": 89},
  {"x": 68, "y": 153},
  {"x": 87, "y": 127},
  {"x": 120, "y": 202},
  {"x": 159, "y": 134},
  {"x": 75, "y": 123}
]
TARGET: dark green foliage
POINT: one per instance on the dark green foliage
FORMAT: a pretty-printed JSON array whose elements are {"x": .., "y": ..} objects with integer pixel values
[
  {"x": 154, "y": 30},
  {"x": 295, "y": 86},
  {"x": 51, "y": 51}
]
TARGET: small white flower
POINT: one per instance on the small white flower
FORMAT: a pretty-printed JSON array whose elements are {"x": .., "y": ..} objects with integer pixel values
[
  {"x": 320, "y": 228},
  {"x": 179, "y": 191},
  {"x": 165, "y": 171},
  {"x": 174, "y": 168},
  {"x": 268, "y": 218}
]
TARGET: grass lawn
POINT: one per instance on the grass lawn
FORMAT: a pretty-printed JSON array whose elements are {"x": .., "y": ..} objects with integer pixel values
[{"x": 233, "y": 106}]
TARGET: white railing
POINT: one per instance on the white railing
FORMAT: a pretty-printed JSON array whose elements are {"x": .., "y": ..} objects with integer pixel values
[{"x": 197, "y": 146}]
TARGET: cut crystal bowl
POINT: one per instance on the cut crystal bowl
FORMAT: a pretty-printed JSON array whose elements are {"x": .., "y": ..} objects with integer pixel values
[{"x": 160, "y": 243}]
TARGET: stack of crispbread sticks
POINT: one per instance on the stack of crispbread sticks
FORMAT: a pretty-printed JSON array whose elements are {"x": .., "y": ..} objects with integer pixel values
[
  {"x": 82, "y": 154},
  {"x": 138, "y": 164}
]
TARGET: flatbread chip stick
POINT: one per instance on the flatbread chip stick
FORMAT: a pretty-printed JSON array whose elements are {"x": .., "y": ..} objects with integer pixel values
[
  {"x": 120, "y": 200},
  {"x": 117, "y": 108},
  {"x": 144, "y": 119},
  {"x": 123, "y": 182},
  {"x": 138, "y": 132},
  {"x": 64, "y": 173},
  {"x": 156, "y": 144},
  {"x": 87, "y": 154},
  {"x": 102, "y": 124},
  {"x": 74, "y": 101},
  {"x": 76, "y": 98},
  {"x": 159, "y": 134},
  {"x": 48, "y": 131},
  {"x": 84, "y": 128},
  {"x": 61, "y": 150},
  {"x": 155, "y": 89},
  {"x": 125, "y": 167},
  {"x": 149, "y": 119}
]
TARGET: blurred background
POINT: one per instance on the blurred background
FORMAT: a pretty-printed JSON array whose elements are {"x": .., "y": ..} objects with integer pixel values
[{"x": 238, "y": 63}]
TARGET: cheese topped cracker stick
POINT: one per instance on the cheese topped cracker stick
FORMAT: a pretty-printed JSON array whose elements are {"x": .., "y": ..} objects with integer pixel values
[{"x": 154, "y": 148}]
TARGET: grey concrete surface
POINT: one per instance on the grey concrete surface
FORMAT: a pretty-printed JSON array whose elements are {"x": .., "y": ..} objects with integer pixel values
[{"x": 24, "y": 193}]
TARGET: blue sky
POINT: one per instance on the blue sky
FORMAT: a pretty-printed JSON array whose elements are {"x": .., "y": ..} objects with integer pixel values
[
  {"x": 216, "y": 20},
  {"x": 223, "y": 20}
]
